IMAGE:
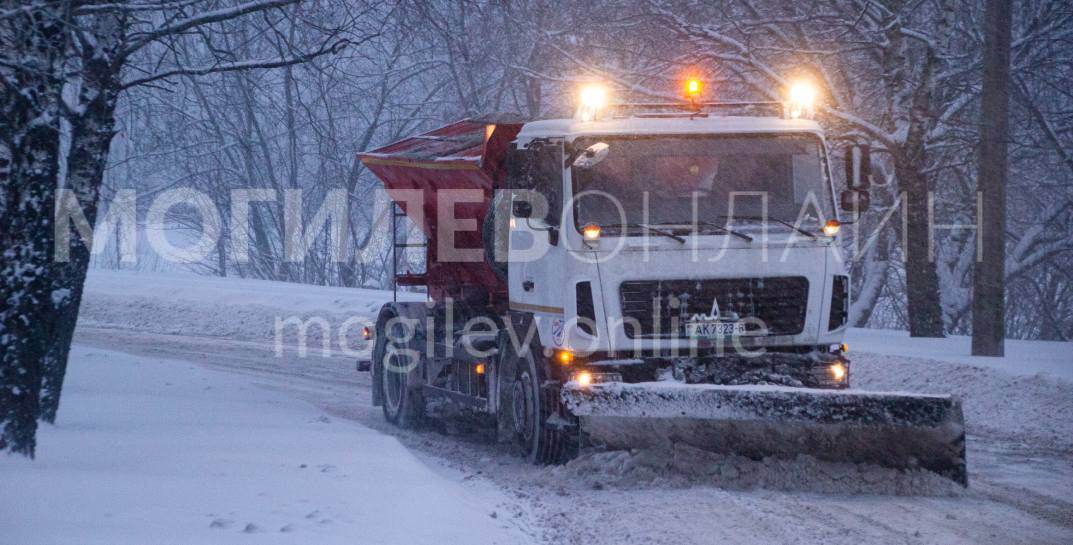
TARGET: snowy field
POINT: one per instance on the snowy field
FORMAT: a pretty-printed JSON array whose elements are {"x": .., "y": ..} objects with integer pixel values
[{"x": 181, "y": 425}]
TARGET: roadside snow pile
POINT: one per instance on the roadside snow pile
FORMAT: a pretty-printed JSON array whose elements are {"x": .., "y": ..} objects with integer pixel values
[
  {"x": 1034, "y": 410},
  {"x": 232, "y": 308},
  {"x": 685, "y": 466},
  {"x": 230, "y": 320},
  {"x": 1049, "y": 358},
  {"x": 196, "y": 288},
  {"x": 1025, "y": 397}
]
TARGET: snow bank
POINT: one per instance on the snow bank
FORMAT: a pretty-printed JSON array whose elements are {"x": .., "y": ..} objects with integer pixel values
[
  {"x": 1025, "y": 397},
  {"x": 152, "y": 451},
  {"x": 1034, "y": 410},
  {"x": 232, "y": 308},
  {"x": 1054, "y": 359},
  {"x": 194, "y": 288}
]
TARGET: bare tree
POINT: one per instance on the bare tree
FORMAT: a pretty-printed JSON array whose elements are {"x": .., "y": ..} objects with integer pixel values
[{"x": 97, "y": 46}]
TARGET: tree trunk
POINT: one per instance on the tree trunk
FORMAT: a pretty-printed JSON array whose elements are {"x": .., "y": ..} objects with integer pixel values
[
  {"x": 92, "y": 129},
  {"x": 988, "y": 295},
  {"x": 921, "y": 276},
  {"x": 874, "y": 273},
  {"x": 31, "y": 47}
]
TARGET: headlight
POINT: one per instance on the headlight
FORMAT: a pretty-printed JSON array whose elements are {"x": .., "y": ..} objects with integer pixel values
[
  {"x": 838, "y": 371},
  {"x": 583, "y": 378}
]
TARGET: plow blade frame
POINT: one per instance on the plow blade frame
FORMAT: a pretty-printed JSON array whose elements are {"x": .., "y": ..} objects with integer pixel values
[{"x": 901, "y": 431}]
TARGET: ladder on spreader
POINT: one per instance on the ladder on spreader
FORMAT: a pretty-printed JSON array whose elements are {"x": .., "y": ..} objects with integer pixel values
[{"x": 406, "y": 278}]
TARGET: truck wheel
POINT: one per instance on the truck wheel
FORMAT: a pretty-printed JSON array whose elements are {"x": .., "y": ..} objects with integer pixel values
[
  {"x": 531, "y": 406},
  {"x": 403, "y": 405}
]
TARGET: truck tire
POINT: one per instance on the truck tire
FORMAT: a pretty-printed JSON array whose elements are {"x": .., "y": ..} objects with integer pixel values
[
  {"x": 396, "y": 357},
  {"x": 530, "y": 403}
]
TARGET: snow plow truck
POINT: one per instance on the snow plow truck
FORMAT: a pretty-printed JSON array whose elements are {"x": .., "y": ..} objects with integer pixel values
[{"x": 640, "y": 275}]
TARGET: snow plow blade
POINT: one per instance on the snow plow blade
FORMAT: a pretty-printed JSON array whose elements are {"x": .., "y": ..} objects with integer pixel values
[{"x": 901, "y": 431}]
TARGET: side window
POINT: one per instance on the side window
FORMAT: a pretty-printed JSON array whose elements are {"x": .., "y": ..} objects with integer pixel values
[
  {"x": 547, "y": 177},
  {"x": 539, "y": 168}
]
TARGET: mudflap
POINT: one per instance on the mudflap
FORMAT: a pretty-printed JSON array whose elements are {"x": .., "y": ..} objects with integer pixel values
[{"x": 895, "y": 430}]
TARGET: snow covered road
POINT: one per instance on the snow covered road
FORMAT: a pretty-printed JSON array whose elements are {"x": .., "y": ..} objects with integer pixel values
[
  {"x": 1021, "y": 474},
  {"x": 1016, "y": 495},
  {"x": 162, "y": 451}
]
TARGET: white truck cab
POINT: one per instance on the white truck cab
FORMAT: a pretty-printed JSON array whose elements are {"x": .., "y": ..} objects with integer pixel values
[{"x": 678, "y": 234}]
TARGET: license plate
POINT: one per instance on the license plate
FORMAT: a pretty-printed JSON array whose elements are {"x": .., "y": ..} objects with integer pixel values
[{"x": 713, "y": 329}]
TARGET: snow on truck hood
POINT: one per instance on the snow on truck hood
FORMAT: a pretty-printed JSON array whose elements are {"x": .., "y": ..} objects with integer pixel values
[{"x": 571, "y": 128}]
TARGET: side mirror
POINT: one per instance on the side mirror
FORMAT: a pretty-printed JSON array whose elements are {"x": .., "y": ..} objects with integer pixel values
[
  {"x": 592, "y": 156},
  {"x": 859, "y": 166},
  {"x": 522, "y": 209},
  {"x": 854, "y": 200}
]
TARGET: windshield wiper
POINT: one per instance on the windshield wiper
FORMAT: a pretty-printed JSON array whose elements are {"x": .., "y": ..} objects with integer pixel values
[
  {"x": 726, "y": 230},
  {"x": 776, "y": 220},
  {"x": 651, "y": 229}
]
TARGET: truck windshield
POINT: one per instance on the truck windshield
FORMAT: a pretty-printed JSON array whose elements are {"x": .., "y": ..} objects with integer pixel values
[{"x": 656, "y": 181}]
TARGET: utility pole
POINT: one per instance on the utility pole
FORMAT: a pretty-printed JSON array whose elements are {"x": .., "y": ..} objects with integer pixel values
[{"x": 989, "y": 275}]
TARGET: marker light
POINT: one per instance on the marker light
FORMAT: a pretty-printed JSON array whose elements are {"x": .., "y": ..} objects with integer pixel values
[
  {"x": 831, "y": 227},
  {"x": 693, "y": 88},
  {"x": 802, "y": 99},
  {"x": 366, "y": 333},
  {"x": 591, "y": 231},
  {"x": 479, "y": 369},
  {"x": 592, "y": 99},
  {"x": 838, "y": 371},
  {"x": 583, "y": 378},
  {"x": 564, "y": 357}
]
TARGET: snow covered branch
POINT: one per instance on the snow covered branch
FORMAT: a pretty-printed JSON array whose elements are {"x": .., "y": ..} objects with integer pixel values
[
  {"x": 238, "y": 66},
  {"x": 138, "y": 41}
]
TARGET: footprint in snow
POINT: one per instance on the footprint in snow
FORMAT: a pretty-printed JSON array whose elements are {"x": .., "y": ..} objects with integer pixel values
[
  {"x": 221, "y": 523},
  {"x": 251, "y": 528}
]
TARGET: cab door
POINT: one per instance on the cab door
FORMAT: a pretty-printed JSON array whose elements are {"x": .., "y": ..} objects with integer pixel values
[{"x": 535, "y": 274}]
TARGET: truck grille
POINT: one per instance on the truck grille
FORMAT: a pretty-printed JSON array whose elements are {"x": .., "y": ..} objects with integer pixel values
[{"x": 779, "y": 303}]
